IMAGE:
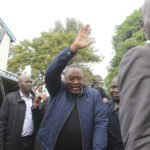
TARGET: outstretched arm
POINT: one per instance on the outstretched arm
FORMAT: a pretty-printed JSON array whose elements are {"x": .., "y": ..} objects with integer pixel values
[{"x": 56, "y": 67}]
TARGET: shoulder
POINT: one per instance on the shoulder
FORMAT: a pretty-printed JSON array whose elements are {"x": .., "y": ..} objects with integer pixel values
[
  {"x": 92, "y": 91},
  {"x": 94, "y": 95},
  {"x": 136, "y": 51},
  {"x": 9, "y": 98},
  {"x": 109, "y": 103},
  {"x": 12, "y": 94},
  {"x": 133, "y": 58},
  {"x": 109, "y": 106}
]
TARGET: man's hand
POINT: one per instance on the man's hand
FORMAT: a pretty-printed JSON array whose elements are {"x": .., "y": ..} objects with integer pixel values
[
  {"x": 81, "y": 40},
  {"x": 38, "y": 98}
]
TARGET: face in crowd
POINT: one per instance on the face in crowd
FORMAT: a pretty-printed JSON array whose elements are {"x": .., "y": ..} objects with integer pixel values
[
  {"x": 74, "y": 79},
  {"x": 114, "y": 90},
  {"x": 25, "y": 83}
]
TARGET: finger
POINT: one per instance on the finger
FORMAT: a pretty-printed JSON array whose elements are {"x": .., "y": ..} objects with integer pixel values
[
  {"x": 89, "y": 31},
  {"x": 82, "y": 29},
  {"x": 87, "y": 27},
  {"x": 89, "y": 42}
]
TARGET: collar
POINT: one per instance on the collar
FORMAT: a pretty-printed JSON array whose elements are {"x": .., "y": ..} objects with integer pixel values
[
  {"x": 22, "y": 95},
  {"x": 113, "y": 106}
]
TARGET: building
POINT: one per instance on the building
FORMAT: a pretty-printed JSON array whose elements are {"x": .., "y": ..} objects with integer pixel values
[{"x": 6, "y": 38}]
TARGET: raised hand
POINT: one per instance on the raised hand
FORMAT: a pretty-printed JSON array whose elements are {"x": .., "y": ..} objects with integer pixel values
[{"x": 81, "y": 40}]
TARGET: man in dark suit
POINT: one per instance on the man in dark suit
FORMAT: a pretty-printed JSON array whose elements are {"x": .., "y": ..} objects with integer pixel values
[
  {"x": 134, "y": 88},
  {"x": 112, "y": 107},
  {"x": 16, "y": 118}
]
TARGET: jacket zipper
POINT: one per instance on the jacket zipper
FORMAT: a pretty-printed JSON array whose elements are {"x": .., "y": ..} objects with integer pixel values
[
  {"x": 63, "y": 126},
  {"x": 80, "y": 123}
]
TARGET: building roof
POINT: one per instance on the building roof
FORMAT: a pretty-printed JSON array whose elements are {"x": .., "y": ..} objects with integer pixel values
[
  {"x": 8, "y": 75},
  {"x": 13, "y": 39}
]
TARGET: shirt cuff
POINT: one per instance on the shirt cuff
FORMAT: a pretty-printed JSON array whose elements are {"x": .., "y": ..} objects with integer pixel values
[{"x": 70, "y": 52}]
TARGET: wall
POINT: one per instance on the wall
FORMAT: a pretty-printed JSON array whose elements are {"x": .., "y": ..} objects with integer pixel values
[{"x": 4, "y": 50}]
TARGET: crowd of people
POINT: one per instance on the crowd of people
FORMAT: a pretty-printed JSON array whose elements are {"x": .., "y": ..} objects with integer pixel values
[{"x": 75, "y": 116}]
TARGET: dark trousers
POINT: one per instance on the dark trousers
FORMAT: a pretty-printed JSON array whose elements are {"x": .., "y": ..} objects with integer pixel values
[{"x": 27, "y": 143}]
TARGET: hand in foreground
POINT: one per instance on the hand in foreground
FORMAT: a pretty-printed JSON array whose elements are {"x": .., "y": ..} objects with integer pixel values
[
  {"x": 81, "y": 40},
  {"x": 38, "y": 98}
]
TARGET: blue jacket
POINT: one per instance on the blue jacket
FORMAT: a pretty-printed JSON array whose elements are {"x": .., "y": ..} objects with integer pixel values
[{"x": 92, "y": 114}]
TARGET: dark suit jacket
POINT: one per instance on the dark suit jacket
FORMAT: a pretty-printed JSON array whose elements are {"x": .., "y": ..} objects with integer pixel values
[
  {"x": 134, "y": 87},
  {"x": 114, "y": 134},
  {"x": 12, "y": 115}
]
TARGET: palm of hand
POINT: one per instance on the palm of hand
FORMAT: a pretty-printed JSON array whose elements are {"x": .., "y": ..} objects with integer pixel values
[{"x": 81, "y": 40}]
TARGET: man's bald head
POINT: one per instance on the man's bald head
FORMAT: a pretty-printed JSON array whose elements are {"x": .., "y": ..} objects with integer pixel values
[
  {"x": 22, "y": 77},
  {"x": 145, "y": 21},
  {"x": 145, "y": 8}
]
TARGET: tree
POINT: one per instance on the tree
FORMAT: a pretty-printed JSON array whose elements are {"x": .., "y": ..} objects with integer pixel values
[
  {"x": 59, "y": 28},
  {"x": 89, "y": 76},
  {"x": 39, "y": 52},
  {"x": 127, "y": 36}
]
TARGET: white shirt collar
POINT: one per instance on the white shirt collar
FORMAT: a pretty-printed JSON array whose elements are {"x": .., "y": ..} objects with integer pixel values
[{"x": 22, "y": 95}]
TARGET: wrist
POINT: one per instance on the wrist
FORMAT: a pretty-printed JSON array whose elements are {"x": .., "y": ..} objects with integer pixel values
[{"x": 74, "y": 47}]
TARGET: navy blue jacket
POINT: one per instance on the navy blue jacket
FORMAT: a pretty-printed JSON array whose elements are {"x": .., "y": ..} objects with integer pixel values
[
  {"x": 92, "y": 114},
  {"x": 114, "y": 133}
]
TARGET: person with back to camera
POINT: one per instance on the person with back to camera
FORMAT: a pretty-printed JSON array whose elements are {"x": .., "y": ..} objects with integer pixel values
[{"x": 134, "y": 88}]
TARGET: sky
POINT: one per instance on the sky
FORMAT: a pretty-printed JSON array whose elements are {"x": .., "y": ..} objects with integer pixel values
[{"x": 26, "y": 19}]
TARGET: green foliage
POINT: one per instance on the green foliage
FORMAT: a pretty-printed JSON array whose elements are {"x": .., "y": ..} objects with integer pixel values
[
  {"x": 127, "y": 36},
  {"x": 39, "y": 52}
]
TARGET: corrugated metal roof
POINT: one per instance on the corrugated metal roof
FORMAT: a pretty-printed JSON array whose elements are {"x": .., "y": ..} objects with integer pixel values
[
  {"x": 13, "y": 39},
  {"x": 8, "y": 75}
]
